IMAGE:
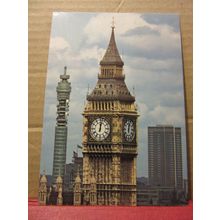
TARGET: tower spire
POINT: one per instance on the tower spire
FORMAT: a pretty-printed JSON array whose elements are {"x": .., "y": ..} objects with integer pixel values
[
  {"x": 113, "y": 22},
  {"x": 112, "y": 56},
  {"x": 111, "y": 68}
]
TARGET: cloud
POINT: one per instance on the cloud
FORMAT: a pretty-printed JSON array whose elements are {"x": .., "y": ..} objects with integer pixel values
[
  {"x": 141, "y": 30},
  {"x": 171, "y": 20},
  {"x": 98, "y": 27},
  {"x": 134, "y": 35},
  {"x": 146, "y": 44},
  {"x": 58, "y": 44},
  {"x": 143, "y": 109},
  {"x": 166, "y": 115}
]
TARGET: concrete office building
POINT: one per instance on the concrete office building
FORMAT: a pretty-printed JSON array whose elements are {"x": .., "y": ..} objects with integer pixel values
[{"x": 165, "y": 156}]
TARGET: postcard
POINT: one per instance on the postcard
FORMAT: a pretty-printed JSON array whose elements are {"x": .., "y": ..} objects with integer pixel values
[{"x": 114, "y": 114}]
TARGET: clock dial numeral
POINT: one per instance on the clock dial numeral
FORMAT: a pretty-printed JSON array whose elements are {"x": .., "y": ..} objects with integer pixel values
[
  {"x": 100, "y": 129},
  {"x": 129, "y": 130}
]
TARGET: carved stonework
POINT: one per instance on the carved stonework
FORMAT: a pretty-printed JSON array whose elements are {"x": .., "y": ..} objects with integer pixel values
[
  {"x": 43, "y": 190},
  {"x": 77, "y": 190},
  {"x": 59, "y": 189},
  {"x": 60, "y": 197}
]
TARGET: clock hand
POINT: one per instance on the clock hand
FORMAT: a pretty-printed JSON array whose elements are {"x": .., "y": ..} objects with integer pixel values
[
  {"x": 128, "y": 128},
  {"x": 100, "y": 126}
]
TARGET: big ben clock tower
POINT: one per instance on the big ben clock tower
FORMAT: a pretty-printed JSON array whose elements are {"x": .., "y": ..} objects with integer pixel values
[{"x": 110, "y": 136}]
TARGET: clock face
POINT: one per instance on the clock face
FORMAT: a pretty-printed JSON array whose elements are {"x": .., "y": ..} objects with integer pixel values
[
  {"x": 100, "y": 129},
  {"x": 129, "y": 130}
]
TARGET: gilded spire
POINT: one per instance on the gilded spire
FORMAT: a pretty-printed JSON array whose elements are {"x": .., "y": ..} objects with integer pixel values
[
  {"x": 112, "y": 56},
  {"x": 113, "y": 22}
]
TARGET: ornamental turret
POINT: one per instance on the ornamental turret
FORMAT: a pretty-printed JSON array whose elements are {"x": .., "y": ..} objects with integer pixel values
[
  {"x": 59, "y": 190},
  {"x": 43, "y": 190},
  {"x": 77, "y": 190}
]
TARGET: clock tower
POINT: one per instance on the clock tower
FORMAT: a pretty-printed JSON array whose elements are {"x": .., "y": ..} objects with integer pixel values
[{"x": 110, "y": 135}]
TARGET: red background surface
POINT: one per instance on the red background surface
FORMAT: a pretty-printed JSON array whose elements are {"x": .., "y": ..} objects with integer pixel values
[{"x": 36, "y": 212}]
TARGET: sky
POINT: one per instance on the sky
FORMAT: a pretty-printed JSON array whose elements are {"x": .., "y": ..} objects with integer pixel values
[{"x": 150, "y": 46}]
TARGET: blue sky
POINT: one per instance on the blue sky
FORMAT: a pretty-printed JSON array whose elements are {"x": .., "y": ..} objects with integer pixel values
[{"x": 150, "y": 47}]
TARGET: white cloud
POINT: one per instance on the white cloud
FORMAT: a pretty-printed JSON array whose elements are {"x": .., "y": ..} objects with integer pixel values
[
  {"x": 91, "y": 53},
  {"x": 97, "y": 31},
  {"x": 142, "y": 108},
  {"x": 123, "y": 22},
  {"x": 58, "y": 43},
  {"x": 167, "y": 115}
]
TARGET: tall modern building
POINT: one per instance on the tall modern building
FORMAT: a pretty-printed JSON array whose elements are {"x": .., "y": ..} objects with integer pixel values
[
  {"x": 110, "y": 136},
  {"x": 165, "y": 156},
  {"x": 59, "y": 157}
]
